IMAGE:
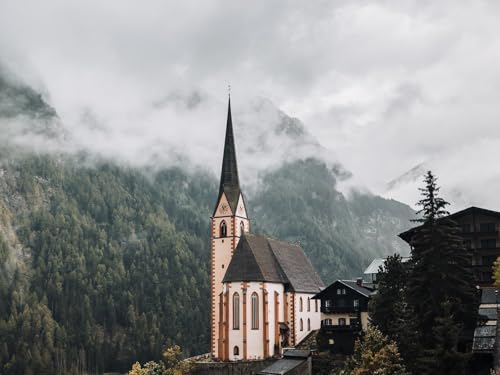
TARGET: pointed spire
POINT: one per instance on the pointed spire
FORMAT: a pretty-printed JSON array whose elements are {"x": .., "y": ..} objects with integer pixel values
[{"x": 229, "y": 182}]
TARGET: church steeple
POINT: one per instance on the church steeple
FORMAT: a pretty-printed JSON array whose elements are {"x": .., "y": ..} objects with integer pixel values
[{"x": 229, "y": 182}]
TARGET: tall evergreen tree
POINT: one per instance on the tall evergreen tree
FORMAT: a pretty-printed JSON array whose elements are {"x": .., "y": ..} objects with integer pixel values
[
  {"x": 389, "y": 310},
  {"x": 387, "y": 305},
  {"x": 440, "y": 271}
]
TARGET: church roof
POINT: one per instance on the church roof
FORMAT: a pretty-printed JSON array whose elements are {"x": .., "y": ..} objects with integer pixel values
[
  {"x": 229, "y": 181},
  {"x": 259, "y": 258}
]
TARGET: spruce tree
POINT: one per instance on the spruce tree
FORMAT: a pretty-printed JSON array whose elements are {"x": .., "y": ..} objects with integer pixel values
[
  {"x": 387, "y": 305},
  {"x": 440, "y": 270}
]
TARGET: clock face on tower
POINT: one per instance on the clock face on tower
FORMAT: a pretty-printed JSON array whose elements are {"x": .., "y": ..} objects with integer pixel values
[{"x": 224, "y": 207}]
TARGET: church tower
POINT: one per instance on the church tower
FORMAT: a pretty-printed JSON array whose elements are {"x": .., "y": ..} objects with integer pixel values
[{"x": 229, "y": 221}]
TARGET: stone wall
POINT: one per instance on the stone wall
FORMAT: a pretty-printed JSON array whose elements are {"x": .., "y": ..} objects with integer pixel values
[{"x": 230, "y": 368}]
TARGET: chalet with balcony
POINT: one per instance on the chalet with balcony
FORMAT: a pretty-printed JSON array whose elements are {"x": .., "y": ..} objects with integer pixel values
[
  {"x": 344, "y": 314},
  {"x": 480, "y": 235}
]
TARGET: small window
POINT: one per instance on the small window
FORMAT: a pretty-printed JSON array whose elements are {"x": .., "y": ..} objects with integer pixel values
[
  {"x": 255, "y": 311},
  {"x": 487, "y": 227},
  {"x": 308, "y": 324},
  {"x": 488, "y": 260},
  {"x": 308, "y": 304},
  {"x": 242, "y": 227},
  {"x": 355, "y": 303},
  {"x": 236, "y": 311},
  {"x": 300, "y": 304},
  {"x": 343, "y": 291},
  {"x": 339, "y": 291},
  {"x": 341, "y": 321},
  {"x": 316, "y": 305},
  {"x": 301, "y": 324},
  {"x": 236, "y": 351},
  {"x": 326, "y": 322},
  {"x": 223, "y": 229},
  {"x": 328, "y": 303},
  {"x": 489, "y": 243},
  {"x": 466, "y": 228}
]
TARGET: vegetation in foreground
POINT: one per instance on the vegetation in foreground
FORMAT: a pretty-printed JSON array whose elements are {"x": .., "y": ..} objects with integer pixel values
[{"x": 428, "y": 306}]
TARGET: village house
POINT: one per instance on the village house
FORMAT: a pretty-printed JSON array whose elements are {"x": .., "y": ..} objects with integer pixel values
[{"x": 344, "y": 314}]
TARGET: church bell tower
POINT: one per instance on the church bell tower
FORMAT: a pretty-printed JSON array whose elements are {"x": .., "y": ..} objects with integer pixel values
[{"x": 229, "y": 221}]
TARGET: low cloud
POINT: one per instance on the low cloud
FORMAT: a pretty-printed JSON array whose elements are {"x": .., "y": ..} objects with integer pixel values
[{"x": 385, "y": 85}]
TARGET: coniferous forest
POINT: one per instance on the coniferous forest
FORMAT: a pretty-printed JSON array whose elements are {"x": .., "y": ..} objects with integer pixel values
[{"x": 102, "y": 264}]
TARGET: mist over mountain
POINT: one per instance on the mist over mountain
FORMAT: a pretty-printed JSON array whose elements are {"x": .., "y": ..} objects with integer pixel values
[{"x": 105, "y": 228}]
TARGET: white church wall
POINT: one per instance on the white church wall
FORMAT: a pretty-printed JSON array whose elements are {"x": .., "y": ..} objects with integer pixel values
[
  {"x": 255, "y": 337},
  {"x": 312, "y": 314},
  {"x": 273, "y": 288}
]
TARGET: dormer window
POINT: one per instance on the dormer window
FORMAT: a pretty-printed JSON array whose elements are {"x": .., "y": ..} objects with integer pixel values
[{"x": 223, "y": 229}]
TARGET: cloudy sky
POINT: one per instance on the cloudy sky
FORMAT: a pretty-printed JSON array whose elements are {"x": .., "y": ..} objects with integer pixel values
[{"x": 384, "y": 85}]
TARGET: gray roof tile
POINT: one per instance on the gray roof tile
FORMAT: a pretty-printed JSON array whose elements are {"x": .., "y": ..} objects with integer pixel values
[{"x": 258, "y": 258}]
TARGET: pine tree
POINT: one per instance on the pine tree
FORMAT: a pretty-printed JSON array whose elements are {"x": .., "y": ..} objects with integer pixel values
[
  {"x": 389, "y": 310},
  {"x": 440, "y": 269},
  {"x": 387, "y": 305}
]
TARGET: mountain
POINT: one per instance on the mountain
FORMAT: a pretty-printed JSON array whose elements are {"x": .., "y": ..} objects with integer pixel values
[{"x": 103, "y": 263}]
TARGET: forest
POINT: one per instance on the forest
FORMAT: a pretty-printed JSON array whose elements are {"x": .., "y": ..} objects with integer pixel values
[{"x": 104, "y": 265}]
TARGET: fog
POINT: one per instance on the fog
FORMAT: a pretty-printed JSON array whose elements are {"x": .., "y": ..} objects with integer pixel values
[{"x": 383, "y": 86}]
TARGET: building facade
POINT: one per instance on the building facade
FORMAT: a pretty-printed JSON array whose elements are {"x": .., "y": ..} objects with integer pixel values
[
  {"x": 479, "y": 230},
  {"x": 261, "y": 288},
  {"x": 344, "y": 314}
]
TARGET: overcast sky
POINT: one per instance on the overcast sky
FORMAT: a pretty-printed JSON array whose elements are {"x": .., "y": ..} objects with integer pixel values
[{"x": 385, "y": 85}]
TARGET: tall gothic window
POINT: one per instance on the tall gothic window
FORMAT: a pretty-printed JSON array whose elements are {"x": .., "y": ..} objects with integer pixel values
[
  {"x": 308, "y": 324},
  {"x": 236, "y": 351},
  {"x": 242, "y": 227},
  {"x": 255, "y": 311},
  {"x": 301, "y": 324},
  {"x": 316, "y": 305},
  {"x": 223, "y": 229},
  {"x": 300, "y": 304},
  {"x": 236, "y": 311},
  {"x": 308, "y": 304}
]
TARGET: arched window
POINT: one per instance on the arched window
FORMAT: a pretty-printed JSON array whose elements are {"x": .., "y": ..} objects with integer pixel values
[
  {"x": 316, "y": 305},
  {"x": 223, "y": 229},
  {"x": 236, "y": 311},
  {"x": 300, "y": 304},
  {"x": 255, "y": 311},
  {"x": 236, "y": 351},
  {"x": 308, "y": 304},
  {"x": 341, "y": 321},
  {"x": 308, "y": 324},
  {"x": 301, "y": 324},
  {"x": 242, "y": 227}
]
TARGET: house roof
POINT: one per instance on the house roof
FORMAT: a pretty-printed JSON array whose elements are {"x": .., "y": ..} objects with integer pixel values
[
  {"x": 363, "y": 290},
  {"x": 229, "y": 181},
  {"x": 282, "y": 367},
  {"x": 484, "y": 339},
  {"x": 488, "y": 295},
  {"x": 468, "y": 211},
  {"x": 259, "y": 258}
]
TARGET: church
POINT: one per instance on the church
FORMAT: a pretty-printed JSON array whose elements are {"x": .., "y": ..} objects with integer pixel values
[{"x": 261, "y": 288}]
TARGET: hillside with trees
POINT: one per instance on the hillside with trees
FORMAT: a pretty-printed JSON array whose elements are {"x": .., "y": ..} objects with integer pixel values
[{"x": 103, "y": 264}]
